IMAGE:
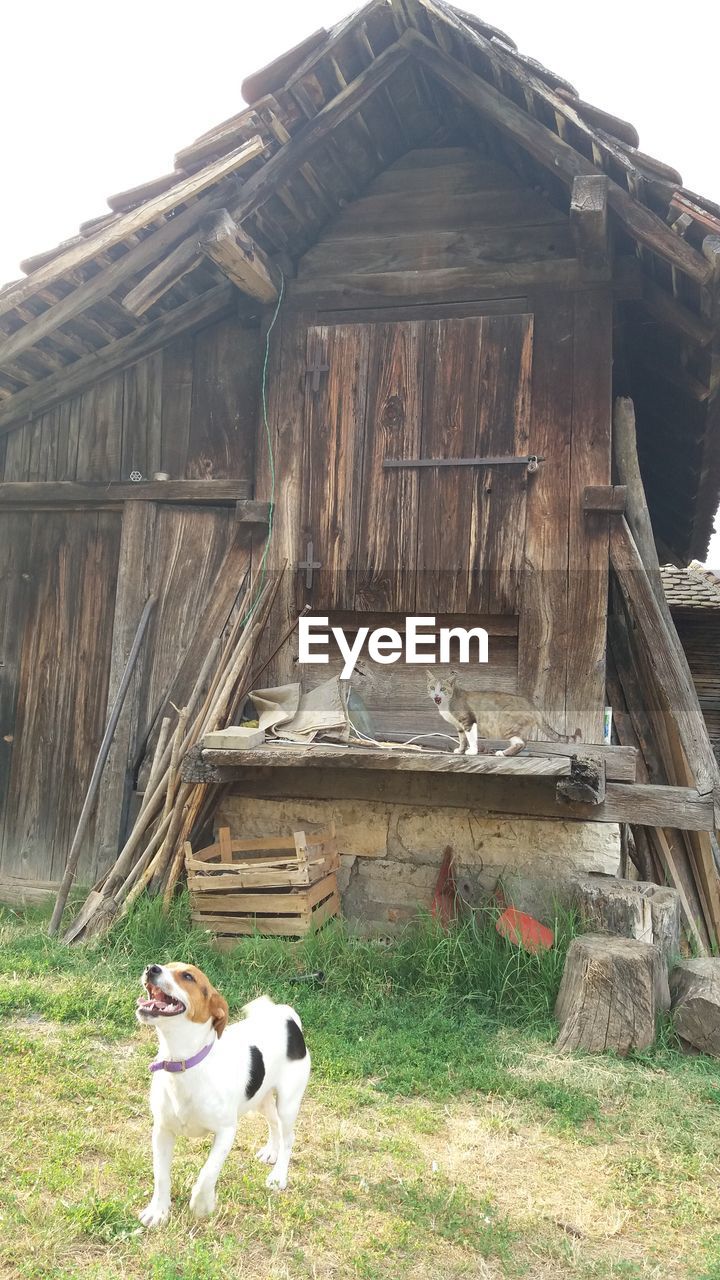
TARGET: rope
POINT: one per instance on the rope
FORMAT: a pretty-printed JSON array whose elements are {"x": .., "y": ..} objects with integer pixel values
[{"x": 271, "y": 455}]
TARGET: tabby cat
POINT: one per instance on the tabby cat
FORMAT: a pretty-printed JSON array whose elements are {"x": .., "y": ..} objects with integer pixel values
[{"x": 475, "y": 715}]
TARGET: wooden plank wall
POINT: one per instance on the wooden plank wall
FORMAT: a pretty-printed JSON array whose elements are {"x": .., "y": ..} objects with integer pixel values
[
  {"x": 699, "y": 632},
  {"x": 444, "y": 233},
  {"x": 189, "y": 410},
  {"x": 431, "y": 224},
  {"x": 55, "y": 674},
  {"x": 73, "y": 583}
]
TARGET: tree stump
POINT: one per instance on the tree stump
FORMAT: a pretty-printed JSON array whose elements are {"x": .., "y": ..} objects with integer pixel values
[
  {"x": 611, "y": 993},
  {"x": 695, "y": 990}
]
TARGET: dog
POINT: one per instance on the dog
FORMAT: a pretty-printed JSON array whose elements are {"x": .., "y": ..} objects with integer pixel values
[{"x": 208, "y": 1074}]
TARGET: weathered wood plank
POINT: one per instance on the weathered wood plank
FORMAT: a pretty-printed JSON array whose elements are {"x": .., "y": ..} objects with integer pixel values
[
  {"x": 141, "y": 419},
  {"x": 177, "y": 382},
  {"x": 376, "y": 758},
  {"x": 588, "y": 533},
  {"x": 449, "y": 430},
  {"x": 332, "y": 460},
  {"x": 387, "y": 547},
  {"x": 134, "y": 578},
  {"x": 440, "y": 208},
  {"x": 16, "y": 589},
  {"x": 223, "y": 416},
  {"x": 497, "y": 537},
  {"x": 100, "y": 434},
  {"x": 478, "y": 249},
  {"x": 643, "y": 805},
  {"x": 454, "y": 282},
  {"x": 543, "y": 636},
  {"x": 66, "y": 493}
]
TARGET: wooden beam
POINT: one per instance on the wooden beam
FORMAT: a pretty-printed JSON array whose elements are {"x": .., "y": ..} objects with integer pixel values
[
  {"x": 555, "y": 154},
  {"x": 293, "y": 757},
  {"x": 99, "y": 286},
  {"x": 661, "y": 646},
  {"x": 127, "y": 225},
  {"x": 642, "y": 804},
  {"x": 668, "y": 311},
  {"x": 163, "y": 277},
  {"x": 68, "y": 493},
  {"x": 261, "y": 185},
  {"x": 42, "y": 395},
  {"x": 610, "y": 498},
  {"x": 589, "y": 224},
  {"x": 238, "y": 257}
]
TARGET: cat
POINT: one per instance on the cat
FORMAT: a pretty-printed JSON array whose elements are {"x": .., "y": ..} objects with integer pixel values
[{"x": 486, "y": 715}]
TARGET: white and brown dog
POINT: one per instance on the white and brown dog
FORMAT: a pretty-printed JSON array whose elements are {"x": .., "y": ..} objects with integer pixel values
[{"x": 209, "y": 1074}]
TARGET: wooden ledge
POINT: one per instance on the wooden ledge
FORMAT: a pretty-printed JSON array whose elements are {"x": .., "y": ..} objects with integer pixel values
[
  {"x": 67, "y": 493},
  {"x": 200, "y": 765}
]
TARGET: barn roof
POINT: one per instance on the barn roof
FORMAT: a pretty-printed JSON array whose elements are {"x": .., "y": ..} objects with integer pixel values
[
  {"x": 693, "y": 588},
  {"x": 322, "y": 121}
]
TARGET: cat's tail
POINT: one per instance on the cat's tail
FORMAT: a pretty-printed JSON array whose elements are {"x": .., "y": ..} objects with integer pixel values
[{"x": 548, "y": 734}]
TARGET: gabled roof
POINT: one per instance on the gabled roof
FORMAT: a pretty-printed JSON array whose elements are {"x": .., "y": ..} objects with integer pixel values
[
  {"x": 322, "y": 121},
  {"x": 693, "y": 588}
]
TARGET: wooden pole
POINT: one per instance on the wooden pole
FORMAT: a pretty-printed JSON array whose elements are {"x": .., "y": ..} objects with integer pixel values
[
  {"x": 84, "y": 819},
  {"x": 661, "y": 647}
]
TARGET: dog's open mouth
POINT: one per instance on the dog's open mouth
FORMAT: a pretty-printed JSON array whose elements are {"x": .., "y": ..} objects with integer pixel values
[{"x": 159, "y": 1004}]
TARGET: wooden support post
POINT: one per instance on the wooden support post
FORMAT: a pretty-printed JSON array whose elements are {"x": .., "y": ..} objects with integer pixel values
[
  {"x": 586, "y": 783},
  {"x": 238, "y": 257},
  {"x": 589, "y": 224},
  {"x": 666, "y": 659}
]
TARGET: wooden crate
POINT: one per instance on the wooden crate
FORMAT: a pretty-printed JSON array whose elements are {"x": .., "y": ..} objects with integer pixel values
[{"x": 281, "y": 886}]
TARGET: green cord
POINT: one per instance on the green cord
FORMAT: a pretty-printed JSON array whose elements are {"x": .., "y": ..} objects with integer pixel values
[{"x": 271, "y": 456}]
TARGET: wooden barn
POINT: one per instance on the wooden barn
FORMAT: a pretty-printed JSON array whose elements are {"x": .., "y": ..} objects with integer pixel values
[{"x": 363, "y": 343}]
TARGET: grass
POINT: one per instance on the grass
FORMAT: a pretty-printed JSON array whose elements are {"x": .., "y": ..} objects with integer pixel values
[{"x": 440, "y": 1135}]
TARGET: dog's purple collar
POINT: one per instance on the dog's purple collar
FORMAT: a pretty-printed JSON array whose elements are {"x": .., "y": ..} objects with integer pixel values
[{"x": 182, "y": 1064}]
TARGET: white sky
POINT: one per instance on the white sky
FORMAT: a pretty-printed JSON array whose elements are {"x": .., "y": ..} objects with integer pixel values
[{"x": 95, "y": 98}]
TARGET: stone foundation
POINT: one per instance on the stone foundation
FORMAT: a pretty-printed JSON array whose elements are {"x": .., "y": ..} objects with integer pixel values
[{"x": 391, "y": 853}]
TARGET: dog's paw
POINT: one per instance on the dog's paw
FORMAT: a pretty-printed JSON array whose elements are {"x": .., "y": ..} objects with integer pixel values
[
  {"x": 276, "y": 1180},
  {"x": 459, "y": 751},
  {"x": 268, "y": 1154},
  {"x": 472, "y": 751},
  {"x": 202, "y": 1201},
  {"x": 154, "y": 1214},
  {"x": 500, "y": 753}
]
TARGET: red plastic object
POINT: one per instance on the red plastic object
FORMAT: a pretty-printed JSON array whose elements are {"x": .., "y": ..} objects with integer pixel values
[
  {"x": 444, "y": 898},
  {"x": 524, "y": 930}
]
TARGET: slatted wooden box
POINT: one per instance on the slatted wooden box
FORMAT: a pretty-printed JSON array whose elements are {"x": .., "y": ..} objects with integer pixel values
[{"x": 281, "y": 886}]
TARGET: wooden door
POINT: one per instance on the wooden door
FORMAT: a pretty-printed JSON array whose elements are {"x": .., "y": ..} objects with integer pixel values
[
  {"x": 61, "y": 574},
  {"x": 436, "y": 540}
]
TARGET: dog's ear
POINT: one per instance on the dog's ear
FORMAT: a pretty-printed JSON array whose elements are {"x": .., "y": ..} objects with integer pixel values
[{"x": 219, "y": 1012}]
